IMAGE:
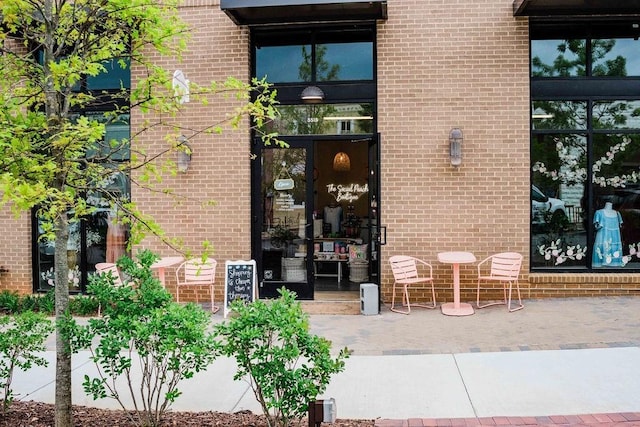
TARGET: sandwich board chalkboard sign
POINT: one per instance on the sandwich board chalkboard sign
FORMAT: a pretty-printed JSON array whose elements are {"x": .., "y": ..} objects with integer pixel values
[{"x": 239, "y": 282}]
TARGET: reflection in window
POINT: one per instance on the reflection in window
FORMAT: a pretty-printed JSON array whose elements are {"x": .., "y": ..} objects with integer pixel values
[
  {"x": 315, "y": 62},
  {"x": 97, "y": 237},
  {"x": 559, "y": 115},
  {"x": 558, "y": 186},
  {"x": 616, "y": 115},
  {"x": 558, "y": 58},
  {"x": 115, "y": 76},
  {"x": 323, "y": 119},
  {"x": 281, "y": 64},
  {"x": 615, "y": 57},
  {"x": 615, "y": 186},
  {"x": 566, "y": 58},
  {"x": 345, "y": 61}
]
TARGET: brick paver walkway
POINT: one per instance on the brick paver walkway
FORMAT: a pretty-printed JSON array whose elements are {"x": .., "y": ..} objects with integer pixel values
[{"x": 590, "y": 420}]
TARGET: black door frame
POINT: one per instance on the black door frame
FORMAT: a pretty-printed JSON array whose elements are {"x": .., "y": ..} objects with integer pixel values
[{"x": 306, "y": 291}]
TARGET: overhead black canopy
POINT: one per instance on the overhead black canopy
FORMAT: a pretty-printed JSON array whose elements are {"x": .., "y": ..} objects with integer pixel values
[
  {"x": 575, "y": 7},
  {"x": 259, "y": 12}
]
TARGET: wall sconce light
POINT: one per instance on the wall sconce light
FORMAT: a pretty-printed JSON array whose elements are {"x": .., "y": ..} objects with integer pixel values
[
  {"x": 312, "y": 95},
  {"x": 341, "y": 162},
  {"x": 455, "y": 147},
  {"x": 183, "y": 160}
]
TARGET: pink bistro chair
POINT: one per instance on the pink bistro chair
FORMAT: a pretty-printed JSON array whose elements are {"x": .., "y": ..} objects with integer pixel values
[
  {"x": 503, "y": 268},
  {"x": 112, "y": 269},
  {"x": 196, "y": 272},
  {"x": 405, "y": 273}
]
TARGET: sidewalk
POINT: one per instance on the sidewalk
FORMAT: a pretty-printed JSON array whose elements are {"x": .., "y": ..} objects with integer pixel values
[{"x": 550, "y": 363}]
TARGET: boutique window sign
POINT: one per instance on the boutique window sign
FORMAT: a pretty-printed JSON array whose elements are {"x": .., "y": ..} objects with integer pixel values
[{"x": 347, "y": 192}]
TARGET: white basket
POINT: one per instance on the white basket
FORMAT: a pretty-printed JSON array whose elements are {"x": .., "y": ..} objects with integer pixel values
[
  {"x": 358, "y": 271},
  {"x": 295, "y": 275},
  {"x": 293, "y": 270}
]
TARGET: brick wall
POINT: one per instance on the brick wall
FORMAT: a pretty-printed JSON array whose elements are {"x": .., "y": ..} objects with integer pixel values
[
  {"x": 440, "y": 65},
  {"x": 15, "y": 252},
  {"x": 445, "y": 65},
  {"x": 220, "y": 166}
]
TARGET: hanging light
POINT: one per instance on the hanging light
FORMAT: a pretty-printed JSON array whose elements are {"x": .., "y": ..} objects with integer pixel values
[
  {"x": 312, "y": 95},
  {"x": 183, "y": 160},
  {"x": 341, "y": 162}
]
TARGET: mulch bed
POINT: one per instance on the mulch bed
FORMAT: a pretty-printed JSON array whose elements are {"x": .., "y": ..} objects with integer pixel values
[{"x": 38, "y": 414}]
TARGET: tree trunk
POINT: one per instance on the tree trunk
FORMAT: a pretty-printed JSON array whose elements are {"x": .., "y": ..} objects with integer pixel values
[{"x": 63, "y": 415}]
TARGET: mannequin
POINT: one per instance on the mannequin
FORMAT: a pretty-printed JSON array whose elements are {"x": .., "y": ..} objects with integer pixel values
[
  {"x": 607, "y": 247},
  {"x": 333, "y": 216}
]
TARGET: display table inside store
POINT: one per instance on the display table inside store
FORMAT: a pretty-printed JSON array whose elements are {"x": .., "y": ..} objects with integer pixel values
[{"x": 337, "y": 262}]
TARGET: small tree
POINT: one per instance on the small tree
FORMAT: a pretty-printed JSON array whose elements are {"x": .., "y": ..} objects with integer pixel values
[
  {"x": 142, "y": 329},
  {"x": 21, "y": 337},
  {"x": 286, "y": 366},
  {"x": 54, "y": 153}
]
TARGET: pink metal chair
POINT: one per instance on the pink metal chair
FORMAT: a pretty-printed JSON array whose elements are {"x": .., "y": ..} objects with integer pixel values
[
  {"x": 502, "y": 268},
  {"x": 196, "y": 272},
  {"x": 406, "y": 274},
  {"x": 111, "y": 269}
]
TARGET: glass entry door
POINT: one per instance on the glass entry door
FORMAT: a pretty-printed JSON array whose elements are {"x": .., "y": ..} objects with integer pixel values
[
  {"x": 316, "y": 220},
  {"x": 285, "y": 257}
]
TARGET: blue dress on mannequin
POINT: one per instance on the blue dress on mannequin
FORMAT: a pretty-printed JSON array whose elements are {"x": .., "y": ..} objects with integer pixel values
[{"x": 607, "y": 248}]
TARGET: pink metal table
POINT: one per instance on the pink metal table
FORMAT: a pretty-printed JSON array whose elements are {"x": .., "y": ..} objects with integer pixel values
[
  {"x": 163, "y": 263},
  {"x": 456, "y": 308}
]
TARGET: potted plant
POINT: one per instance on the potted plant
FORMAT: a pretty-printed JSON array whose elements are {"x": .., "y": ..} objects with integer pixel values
[{"x": 282, "y": 237}]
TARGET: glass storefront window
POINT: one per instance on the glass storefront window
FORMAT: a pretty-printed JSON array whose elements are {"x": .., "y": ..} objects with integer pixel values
[
  {"x": 585, "y": 146},
  {"x": 558, "y": 234},
  {"x": 324, "y": 62},
  {"x": 615, "y": 57},
  {"x": 114, "y": 77},
  {"x": 344, "y": 61},
  {"x": 558, "y": 58},
  {"x": 619, "y": 57},
  {"x": 282, "y": 64},
  {"x": 323, "y": 119},
  {"x": 559, "y": 115},
  {"x": 616, "y": 115},
  {"x": 98, "y": 237},
  {"x": 616, "y": 187}
]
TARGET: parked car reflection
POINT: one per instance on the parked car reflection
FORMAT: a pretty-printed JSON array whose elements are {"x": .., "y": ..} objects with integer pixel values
[{"x": 545, "y": 210}]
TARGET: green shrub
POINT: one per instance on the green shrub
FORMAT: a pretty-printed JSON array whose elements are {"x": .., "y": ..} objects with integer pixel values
[
  {"x": 21, "y": 336},
  {"x": 30, "y": 303},
  {"x": 9, "y": 302},
  {"x": 47, "y": 302},
  {"x": 83, "y": 305},
  {"x": 142, "y": 327},
  {"x": 286, "y": 365}
]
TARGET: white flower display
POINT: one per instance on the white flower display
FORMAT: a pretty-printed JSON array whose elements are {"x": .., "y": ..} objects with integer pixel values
[
  {"x": 572, "y": 173},
  {"x": 49, "y": 276},
  {"x": 556, "y": 253}
]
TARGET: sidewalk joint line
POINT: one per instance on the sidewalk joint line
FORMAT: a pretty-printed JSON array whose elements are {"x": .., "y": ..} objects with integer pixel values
[{"x": 464, "y": 384}]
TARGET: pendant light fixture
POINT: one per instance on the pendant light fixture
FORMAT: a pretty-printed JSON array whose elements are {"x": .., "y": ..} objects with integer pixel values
[
  {"x": 341, "y": 162},
  {"x": 312, "y": 95}
]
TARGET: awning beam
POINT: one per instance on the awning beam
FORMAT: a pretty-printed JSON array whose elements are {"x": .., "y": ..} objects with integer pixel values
[
  {"x": 266, "y": 12},
  {"x": 576, "y": 7}
]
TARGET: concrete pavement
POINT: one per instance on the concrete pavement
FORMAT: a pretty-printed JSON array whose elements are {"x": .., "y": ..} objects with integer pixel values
[{"x": 556, "y": 357}]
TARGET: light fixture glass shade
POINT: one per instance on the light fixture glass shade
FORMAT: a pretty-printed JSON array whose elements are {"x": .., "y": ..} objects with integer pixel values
[
  {"x": 341, "y": 162},
  {"x": 312, "y": 95},
  {"x": 183, "y": 160},
  {"x": 455, "y": 147}
]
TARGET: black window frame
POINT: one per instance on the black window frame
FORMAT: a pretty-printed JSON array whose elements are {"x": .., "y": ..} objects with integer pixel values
[{"x": 588, "y": 89}]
